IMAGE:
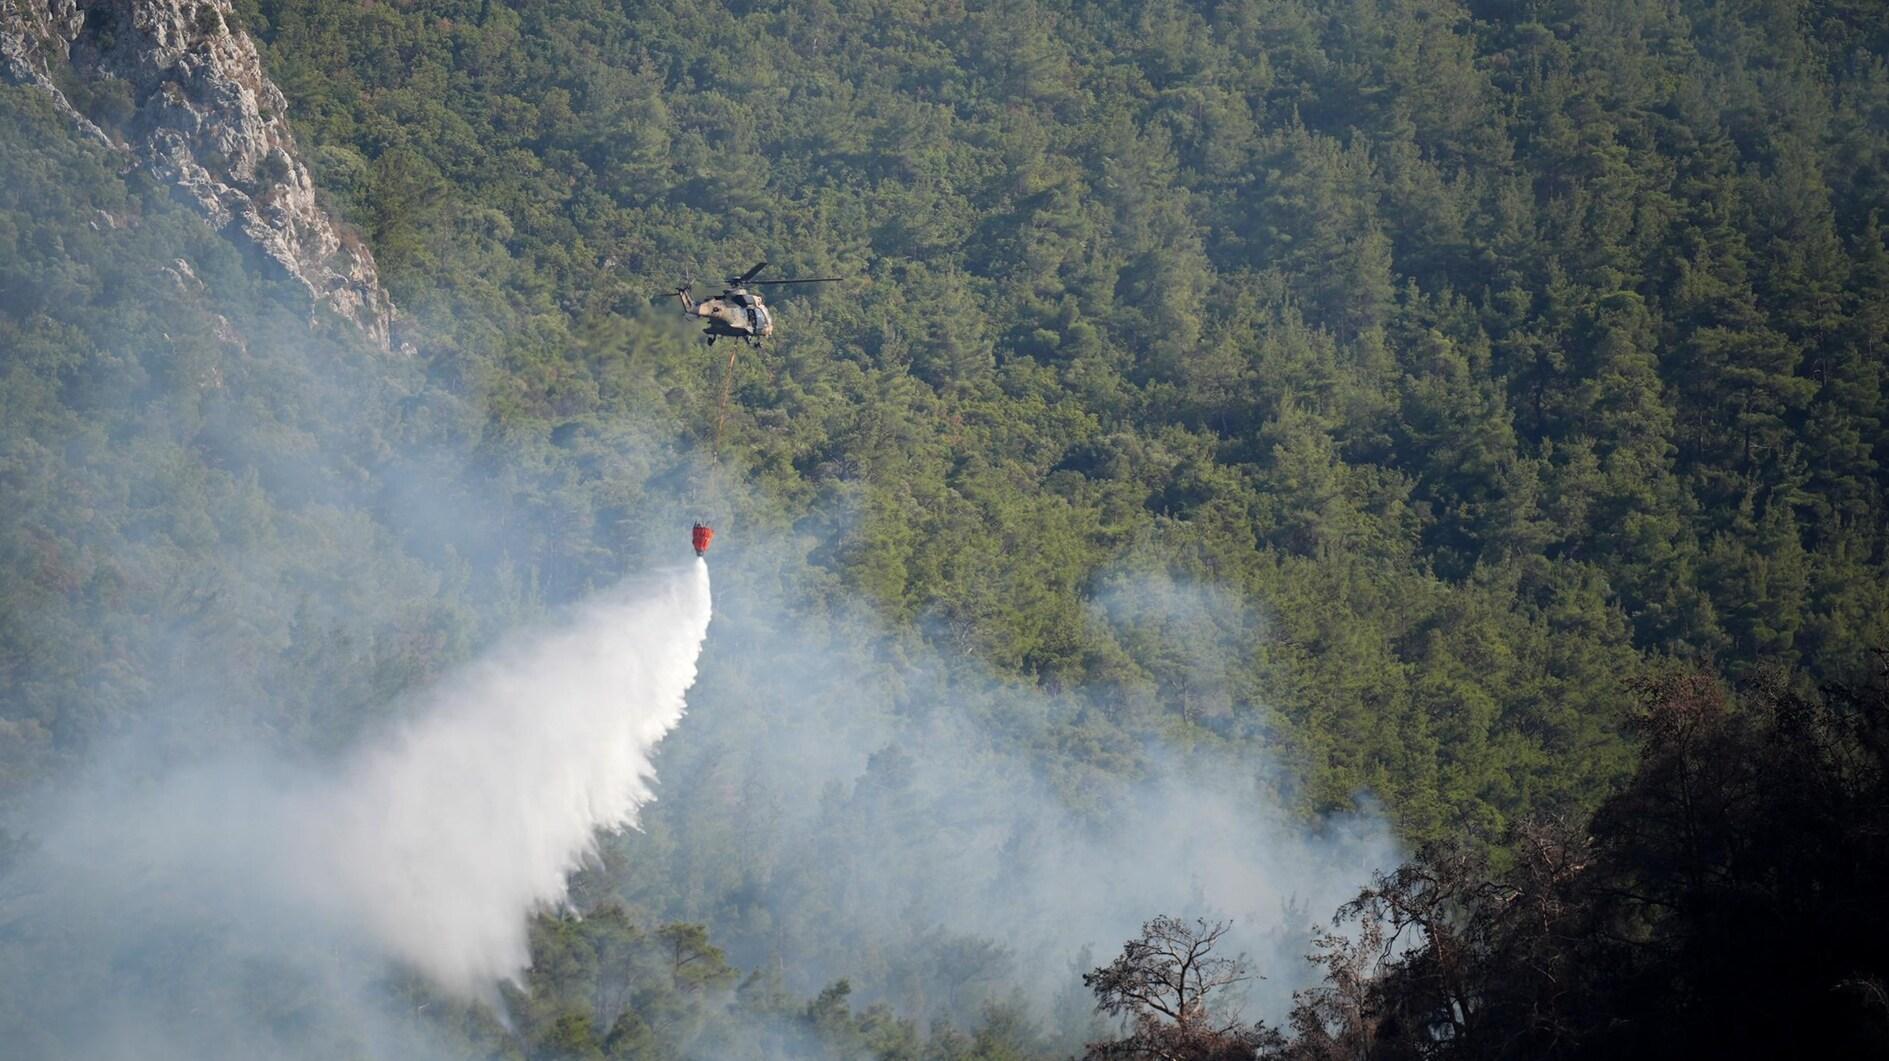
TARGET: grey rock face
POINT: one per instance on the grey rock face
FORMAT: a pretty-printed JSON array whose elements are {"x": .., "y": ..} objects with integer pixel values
[{"x": 207, "y": 121}]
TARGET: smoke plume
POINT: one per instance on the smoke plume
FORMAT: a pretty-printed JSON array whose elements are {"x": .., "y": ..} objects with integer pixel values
[{"x": 948, "y": 840}]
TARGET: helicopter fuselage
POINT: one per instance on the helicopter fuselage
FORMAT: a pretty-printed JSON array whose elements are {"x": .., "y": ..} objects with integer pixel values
[{"x": 737, "y": 313}]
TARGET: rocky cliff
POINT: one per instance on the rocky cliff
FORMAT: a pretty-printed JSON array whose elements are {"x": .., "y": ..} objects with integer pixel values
[{"x": 184, "y": 96}]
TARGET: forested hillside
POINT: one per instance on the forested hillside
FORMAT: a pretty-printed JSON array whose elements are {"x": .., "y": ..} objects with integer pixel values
[
  {"x": 1356, "y": 400},
  {"x": 1484, "y": 349}
]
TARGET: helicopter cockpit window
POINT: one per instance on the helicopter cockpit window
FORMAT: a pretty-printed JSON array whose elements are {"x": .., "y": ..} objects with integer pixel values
[{"x": 758, "y": 314}]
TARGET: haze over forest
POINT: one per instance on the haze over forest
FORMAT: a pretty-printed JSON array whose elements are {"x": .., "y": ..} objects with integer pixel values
[{"x": 1401, "y": 479}]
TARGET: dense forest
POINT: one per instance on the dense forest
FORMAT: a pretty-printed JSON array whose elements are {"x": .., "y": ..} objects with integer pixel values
[{"x": 1464, "y": 413}]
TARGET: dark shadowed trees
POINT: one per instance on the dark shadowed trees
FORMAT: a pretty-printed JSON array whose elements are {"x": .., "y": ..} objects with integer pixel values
[{"x": 1726, "y": 903}]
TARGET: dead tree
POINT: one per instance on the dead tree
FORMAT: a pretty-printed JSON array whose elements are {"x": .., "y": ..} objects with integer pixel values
[{"x": 1162, "y": 983}]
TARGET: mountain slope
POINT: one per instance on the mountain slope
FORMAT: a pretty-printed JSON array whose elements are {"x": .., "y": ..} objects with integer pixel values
[{"x": 181, "y": 91}]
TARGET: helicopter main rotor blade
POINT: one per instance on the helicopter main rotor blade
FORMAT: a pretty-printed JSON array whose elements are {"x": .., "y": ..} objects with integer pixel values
[
  {"x": 737, "y": 281},
  {"x": 807, "y": 280}
]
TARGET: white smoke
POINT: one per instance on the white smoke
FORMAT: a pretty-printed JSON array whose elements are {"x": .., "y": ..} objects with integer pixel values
[
  {"x": 430, "y": 846},
  {"x": 946, "y": 839}
]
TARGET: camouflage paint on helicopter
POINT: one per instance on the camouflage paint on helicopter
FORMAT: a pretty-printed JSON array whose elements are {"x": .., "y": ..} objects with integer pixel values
[{"x": 737, "y": 312}]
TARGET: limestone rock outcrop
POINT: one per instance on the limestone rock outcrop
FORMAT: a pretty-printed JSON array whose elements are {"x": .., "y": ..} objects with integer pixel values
[{"x": 203, "y": 118}]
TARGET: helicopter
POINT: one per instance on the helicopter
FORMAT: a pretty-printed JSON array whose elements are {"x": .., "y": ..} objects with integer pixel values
[{"x": 738, "y": 313}]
